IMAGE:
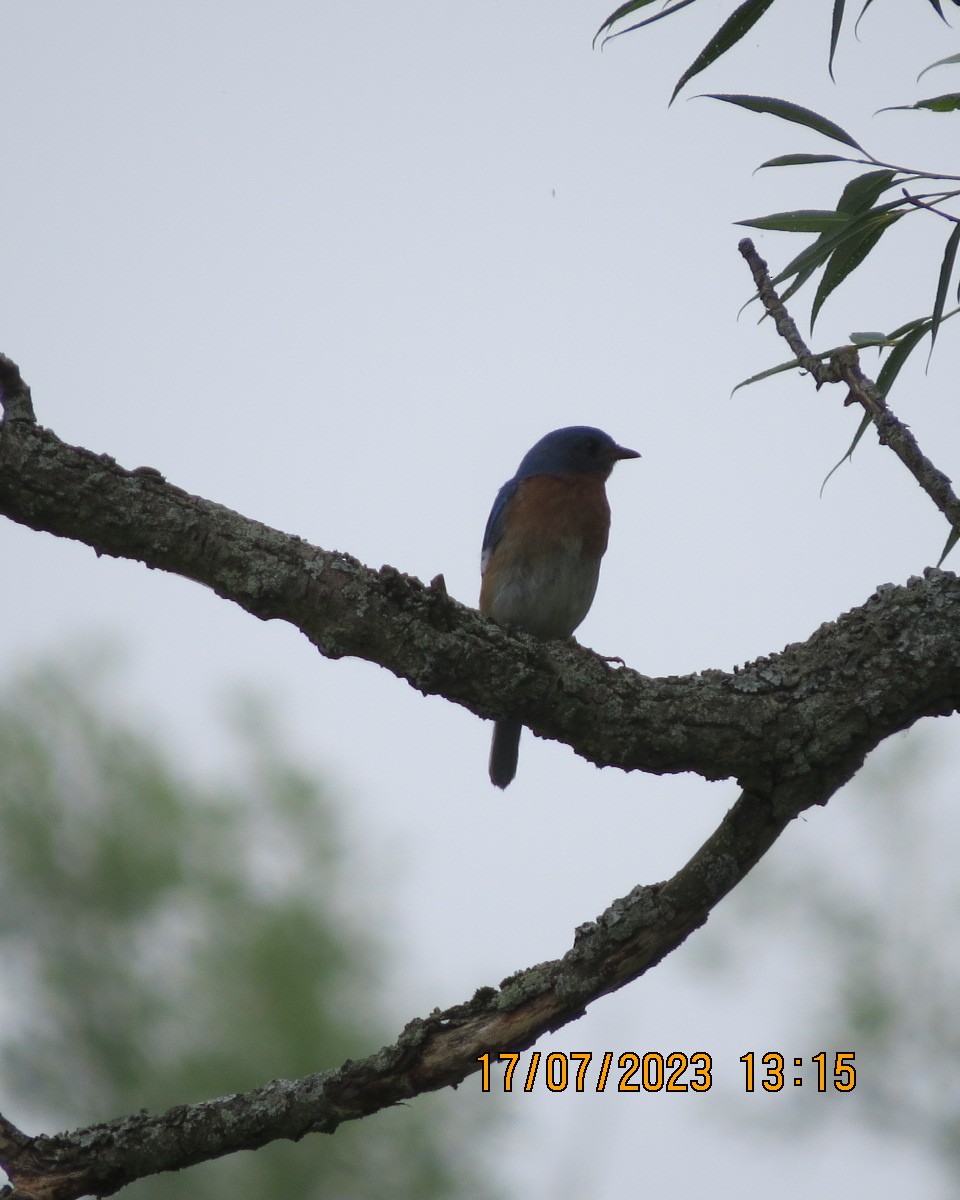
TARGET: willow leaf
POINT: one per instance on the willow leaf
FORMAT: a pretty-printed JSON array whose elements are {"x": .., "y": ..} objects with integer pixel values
[
  {"x": 801, "y": 160},
  {"x": 951, "y": 542},
  {"x": 941, "y": 62},
  {"x": 949, "y": 102},
  {"x": 898, "y": 356},
  {"x": 863, "y": 191},
  {"x": 804, "y": 220},
  {"x": 777, "y": 370},
  {"x": 625, "y": 9},
  {"x": 902, "y": 329},
  {"x": 861, "y": 430},
  {"x": 788, "y": 111},
  {"x": 740, "y": 22},
  {"x": 819, "y": 251},
  {"x": 946, "y": 270},
  {"x": 801, "y": 279},
  {"x": 848, "y": 256},
  {"x": 835, "y": 32},
  {"x": 860, "y": 18}
]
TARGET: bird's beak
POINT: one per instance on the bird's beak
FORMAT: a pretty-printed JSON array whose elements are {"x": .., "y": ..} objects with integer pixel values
[{"x": 623, "y": 452}]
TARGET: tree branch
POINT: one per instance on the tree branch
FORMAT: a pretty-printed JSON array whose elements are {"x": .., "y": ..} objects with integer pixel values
[
  {"x": 793, "y": 727},
  {"x": 844, "y": 367},
  {"x": 789, "y": 714},
  {"x": 919, "y": 202},
  {"x": 625, "y": 941}
]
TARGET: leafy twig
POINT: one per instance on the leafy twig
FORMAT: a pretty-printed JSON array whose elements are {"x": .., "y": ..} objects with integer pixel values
[{"x": 844, "y": 367}]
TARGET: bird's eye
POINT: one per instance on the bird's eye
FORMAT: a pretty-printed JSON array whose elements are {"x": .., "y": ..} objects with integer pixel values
[{"x": 593, "y": 446}]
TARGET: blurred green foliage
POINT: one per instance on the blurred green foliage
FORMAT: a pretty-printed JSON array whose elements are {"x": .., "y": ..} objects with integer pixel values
[
  {"x": 868, "y": 919},
  {"x": 166, "y": 940}
]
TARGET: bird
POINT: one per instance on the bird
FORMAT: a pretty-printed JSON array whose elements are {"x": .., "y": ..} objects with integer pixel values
[{"x": 542, "y": 545}]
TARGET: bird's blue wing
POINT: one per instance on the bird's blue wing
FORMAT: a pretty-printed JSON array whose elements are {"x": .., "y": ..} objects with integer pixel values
[{"x": 494, "y": 529}]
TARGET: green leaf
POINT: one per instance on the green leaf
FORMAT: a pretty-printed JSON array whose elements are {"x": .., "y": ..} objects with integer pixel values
[
  {"x": 949, "y": 102},
  {"x": 849, "y": 255},
  {"x": 740, "y": 22},
  {"x": 781, "y": 367},
  {"x": 790, "y": 112},
  {"x": 863, "y": 191},
  {"x": 807, "y": 220},
  {"x": 625, "y": 9},
  {"x": 941, "y": 62},
  {"x": 819, "y": 251},
  {"x": 835, "y": 32},
  {"x": 801, "y": 160},
  {"x": 902, "y": 329},
  {"x": 860, "y": 18},
  {"x": 806, "y": 262},
  {"x": 951, "y": 542},
  {"x": 787, "y": 366},
  {"x": 946, "y": 270},
  {"x": 861, "y": 430},
  {"x": 619, "y": 14},
  {"x": 802, "y": 277},
  {"x": 898, "y": 356},
  {"x": 873, "y": 338}
]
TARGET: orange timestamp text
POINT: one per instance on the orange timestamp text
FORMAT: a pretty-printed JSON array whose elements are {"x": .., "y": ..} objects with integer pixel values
[
  {"x": 582, "y": 1070},
  {"x": 652, "y": 1071}
]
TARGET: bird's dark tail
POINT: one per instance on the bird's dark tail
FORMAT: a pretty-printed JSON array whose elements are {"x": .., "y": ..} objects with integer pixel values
[{"x": 503, "y": 752}]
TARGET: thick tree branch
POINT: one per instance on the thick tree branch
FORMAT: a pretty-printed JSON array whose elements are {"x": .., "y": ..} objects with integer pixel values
[
  {"x": 792, "y": 727},
  {"x": 798, "y": 711},
  {"x": 844, "y": 367},
  {"x": 432, "y": 1052}
]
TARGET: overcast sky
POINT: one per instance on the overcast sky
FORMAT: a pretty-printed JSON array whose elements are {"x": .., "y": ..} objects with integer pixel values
[{"x": 338, "y": 267}]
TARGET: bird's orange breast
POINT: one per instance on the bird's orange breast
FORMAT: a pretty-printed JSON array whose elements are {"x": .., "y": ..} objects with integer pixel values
[
  {"x": 542, "y": 573},
  {"x": 567, "y": 509}
]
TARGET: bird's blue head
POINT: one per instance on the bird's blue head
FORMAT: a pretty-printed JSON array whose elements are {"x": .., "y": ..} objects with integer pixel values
[{"x": 575, "y": 450}]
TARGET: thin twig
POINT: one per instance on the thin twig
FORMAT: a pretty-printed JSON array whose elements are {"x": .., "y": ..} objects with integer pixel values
[
  {"x": 844, "y": 367},
  {"x": 918, "y": 203},
  {"x": 914, "y": 172}
]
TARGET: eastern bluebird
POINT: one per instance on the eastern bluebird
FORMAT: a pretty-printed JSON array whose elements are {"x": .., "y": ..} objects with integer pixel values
[{"x": 545, "y": 536}]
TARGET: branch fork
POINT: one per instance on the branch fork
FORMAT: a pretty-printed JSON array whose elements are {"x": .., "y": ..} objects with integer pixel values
[
  {"x": 843, "y": 366},
  {"x": 792, "y": 727}
]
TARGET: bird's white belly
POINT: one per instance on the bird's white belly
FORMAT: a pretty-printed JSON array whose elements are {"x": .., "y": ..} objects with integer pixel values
[{"x": 547, "y": 595}]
